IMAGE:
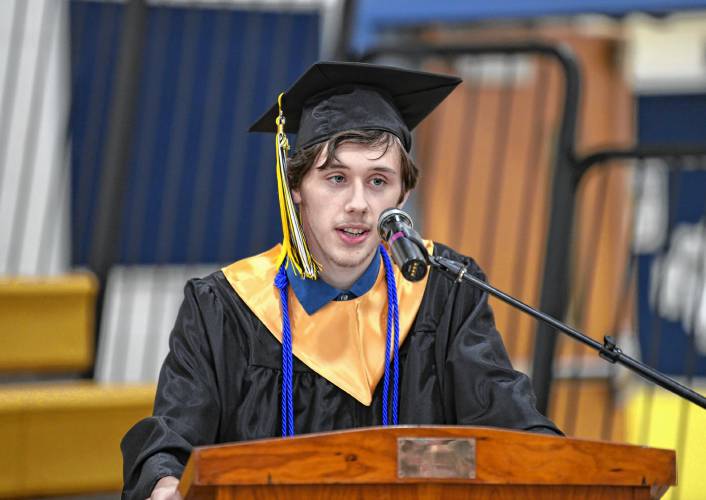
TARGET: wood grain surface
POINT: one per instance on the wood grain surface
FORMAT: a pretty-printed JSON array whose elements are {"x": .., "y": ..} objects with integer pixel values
[
  {"x": 368, "y": 457},
  {"x": 422, "y": 492}
]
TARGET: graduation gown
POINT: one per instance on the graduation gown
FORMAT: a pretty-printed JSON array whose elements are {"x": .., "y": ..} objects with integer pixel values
[{"x": 221, "y": 380}]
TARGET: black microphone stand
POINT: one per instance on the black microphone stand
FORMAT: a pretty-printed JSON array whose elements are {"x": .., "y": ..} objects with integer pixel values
[{"x": 608, "y": 350}]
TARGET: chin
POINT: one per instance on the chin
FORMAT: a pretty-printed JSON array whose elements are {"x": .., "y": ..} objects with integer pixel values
[{"x": 352, "y": 259}]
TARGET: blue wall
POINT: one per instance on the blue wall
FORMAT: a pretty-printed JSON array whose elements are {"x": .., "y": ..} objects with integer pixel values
[
  {"x": 374, "y": 16},
  {"x": 664, "y": 120},
  {"x": 200, "y": 188}
]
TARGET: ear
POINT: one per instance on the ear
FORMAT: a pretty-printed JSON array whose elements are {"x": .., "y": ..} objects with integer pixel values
[
  {"x": 404, "y": 199},
  {"x": 296, "y": 196}
]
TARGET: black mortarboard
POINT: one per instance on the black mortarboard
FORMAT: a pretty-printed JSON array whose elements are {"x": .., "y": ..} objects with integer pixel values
[{"x": 332, "y": 97}]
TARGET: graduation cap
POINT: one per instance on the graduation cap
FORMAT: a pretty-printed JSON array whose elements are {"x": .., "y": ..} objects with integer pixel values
[{"x": 333, "y": 97}]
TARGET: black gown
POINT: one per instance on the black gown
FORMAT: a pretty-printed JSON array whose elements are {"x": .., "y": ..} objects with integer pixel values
[{"x": 221, "y": 379}]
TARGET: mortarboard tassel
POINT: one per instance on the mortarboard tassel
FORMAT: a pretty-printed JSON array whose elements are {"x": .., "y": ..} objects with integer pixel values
[{"x": 294, "y": 248}]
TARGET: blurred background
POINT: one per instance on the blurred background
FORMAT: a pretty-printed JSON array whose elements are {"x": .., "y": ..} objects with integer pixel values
[{"x": 571, "y": 164}]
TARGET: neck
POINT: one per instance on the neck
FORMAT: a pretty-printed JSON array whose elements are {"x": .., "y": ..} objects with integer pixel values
[{"x": 343, "y": 278}]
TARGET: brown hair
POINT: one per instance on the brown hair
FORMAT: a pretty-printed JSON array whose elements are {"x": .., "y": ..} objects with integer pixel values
[{"x": 302, "y": 161}]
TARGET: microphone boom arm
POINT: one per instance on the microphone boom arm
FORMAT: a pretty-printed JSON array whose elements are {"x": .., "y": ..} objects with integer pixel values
[{"x": 609, "y": 350}]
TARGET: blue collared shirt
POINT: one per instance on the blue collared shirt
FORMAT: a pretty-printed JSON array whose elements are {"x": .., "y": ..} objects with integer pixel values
[{"x": 315, "y": 294}]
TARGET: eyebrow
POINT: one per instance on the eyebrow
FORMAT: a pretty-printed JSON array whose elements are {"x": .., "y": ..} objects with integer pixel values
[{"x": 335, "y": 164}]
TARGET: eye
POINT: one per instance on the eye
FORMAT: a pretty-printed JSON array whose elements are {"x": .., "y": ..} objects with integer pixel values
[
  {"x": 378, "y": 181},
  {"x": 336, "y": 179}
]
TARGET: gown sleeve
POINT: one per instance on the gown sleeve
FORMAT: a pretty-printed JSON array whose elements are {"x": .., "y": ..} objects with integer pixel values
[
  {"x": 186, "y": 408},
  {"x": 481, "y": 387}
]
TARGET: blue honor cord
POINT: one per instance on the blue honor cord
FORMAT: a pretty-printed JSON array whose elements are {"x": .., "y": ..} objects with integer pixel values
[{"x": 392, "y": 345}]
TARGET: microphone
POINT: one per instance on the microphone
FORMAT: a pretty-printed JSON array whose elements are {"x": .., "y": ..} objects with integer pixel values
[{"x": 396, "y": 228}]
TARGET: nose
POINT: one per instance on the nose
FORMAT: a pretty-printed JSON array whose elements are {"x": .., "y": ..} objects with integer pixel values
[{"x": 357, "y": 201}]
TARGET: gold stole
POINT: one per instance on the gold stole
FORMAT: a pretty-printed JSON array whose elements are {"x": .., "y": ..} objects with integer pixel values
[{"x": 344, "y": 341}]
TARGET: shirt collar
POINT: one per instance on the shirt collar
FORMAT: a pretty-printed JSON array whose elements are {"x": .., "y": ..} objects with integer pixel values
[{"x": 315, "y": 294}]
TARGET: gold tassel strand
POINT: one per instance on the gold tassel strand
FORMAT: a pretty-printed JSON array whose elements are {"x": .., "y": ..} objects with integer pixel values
[{"x": 294, "y": 246}]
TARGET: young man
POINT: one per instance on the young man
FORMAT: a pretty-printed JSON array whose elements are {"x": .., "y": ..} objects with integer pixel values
[{"x": 304, "y": 338}]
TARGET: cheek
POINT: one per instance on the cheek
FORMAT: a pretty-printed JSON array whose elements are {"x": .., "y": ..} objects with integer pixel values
[
  {"x": 313, "y": 206},
  {"x": 391, "y": 199}
]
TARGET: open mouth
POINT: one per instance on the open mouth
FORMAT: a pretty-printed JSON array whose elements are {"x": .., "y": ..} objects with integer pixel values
[{"x": 352, "y": 234}]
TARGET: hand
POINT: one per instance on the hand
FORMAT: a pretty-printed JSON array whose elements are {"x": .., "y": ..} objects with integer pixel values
[{"x": 166, "y": 489}]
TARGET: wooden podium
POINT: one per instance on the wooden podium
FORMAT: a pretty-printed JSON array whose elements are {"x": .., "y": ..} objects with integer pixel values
[{"x": 427, "y": 462}]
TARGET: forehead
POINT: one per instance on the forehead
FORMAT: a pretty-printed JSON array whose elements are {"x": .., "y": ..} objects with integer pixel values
[{"x": 360, "y": 155}]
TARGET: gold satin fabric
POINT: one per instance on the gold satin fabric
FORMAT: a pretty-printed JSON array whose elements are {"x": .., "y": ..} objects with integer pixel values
[{"x": 344, "y": 341}]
